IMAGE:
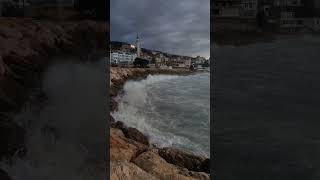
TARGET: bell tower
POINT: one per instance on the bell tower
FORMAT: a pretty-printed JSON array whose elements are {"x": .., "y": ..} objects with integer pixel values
[{"x": 138, "y": 46}]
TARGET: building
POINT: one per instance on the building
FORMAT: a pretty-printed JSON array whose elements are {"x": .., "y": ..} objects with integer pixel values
[
  {"x": 199, "y": 60},
  {"x": 13, "y": 8},
  {"x": 138, "y": 46},
  {"x": 249, "y": 8},
  {"x": 226, "y": 8},
  {"x": 122, "y": 58}
]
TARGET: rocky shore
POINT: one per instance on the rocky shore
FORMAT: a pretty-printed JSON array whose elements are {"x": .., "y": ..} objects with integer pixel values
[
  {"x": 132, "y": 157},
  {"x": 27, "y": 48}
]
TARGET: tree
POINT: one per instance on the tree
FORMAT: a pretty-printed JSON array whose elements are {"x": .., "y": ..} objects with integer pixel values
[{"x": 143, "y": 63}]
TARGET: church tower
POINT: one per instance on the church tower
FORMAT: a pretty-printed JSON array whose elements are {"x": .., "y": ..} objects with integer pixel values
[{"x": 138, "y": 46}]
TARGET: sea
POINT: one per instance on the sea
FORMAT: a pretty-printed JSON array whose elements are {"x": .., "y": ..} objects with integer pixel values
[
  {"x": 266, "y": 110},
  {"x": 173, "y": 111}
]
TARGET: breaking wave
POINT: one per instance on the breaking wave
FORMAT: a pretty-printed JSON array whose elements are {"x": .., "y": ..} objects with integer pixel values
[{"x": 169, "y": 110}]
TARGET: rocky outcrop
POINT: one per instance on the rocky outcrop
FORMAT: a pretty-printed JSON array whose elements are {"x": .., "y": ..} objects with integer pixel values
[
  {"x": 122, "y": 170},
  {"x": 133, "y": 133},
  {"x": 133, "y": 160},
  {"x": 27, "y": 47},
  {"x": 184, "y": 159},
  {"x": 152, "y": 163}
]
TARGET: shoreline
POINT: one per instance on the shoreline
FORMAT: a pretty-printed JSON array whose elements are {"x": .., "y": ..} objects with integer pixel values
[{"x": 129, "y": 145}]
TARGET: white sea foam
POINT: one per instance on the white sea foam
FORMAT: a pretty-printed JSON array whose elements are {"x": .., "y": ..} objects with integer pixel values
[{"x": 137, "y": 109}]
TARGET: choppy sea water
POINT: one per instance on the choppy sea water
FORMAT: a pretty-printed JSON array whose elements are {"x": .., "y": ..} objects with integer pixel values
[
  {"x": 172, "y": 110},
  {"x": 266, "y": 119}
]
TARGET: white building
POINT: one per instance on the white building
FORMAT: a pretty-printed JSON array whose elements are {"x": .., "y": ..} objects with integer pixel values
[{"x": 122, "y": 58}]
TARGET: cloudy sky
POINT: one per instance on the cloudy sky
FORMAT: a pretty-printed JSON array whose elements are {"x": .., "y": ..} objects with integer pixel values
[{"x": 174, "y": 26}]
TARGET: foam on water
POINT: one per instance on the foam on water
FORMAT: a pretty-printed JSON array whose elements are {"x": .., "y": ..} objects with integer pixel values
[{"x": 143, "y": 106}]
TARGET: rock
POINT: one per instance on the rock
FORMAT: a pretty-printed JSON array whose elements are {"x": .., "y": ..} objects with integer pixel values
[
  {"x": 118, "y": 125},
  {"x": 195, "y": 175},
  {"x": 120, "y": 149},
  {"x": 133, "y": 133},
  {"x": 205, "y": 166},
  {"x": 111, "y": 119},
  {"x": 113, "y": 105},
  {"x": 157, "y": 166},
  {"x": 4, "y": 69},
  {"x": 11, "y": 138},
  {"x": 128, "y": 171},
  {"x": 4, "y": 175},
  {"x": 183, "y": 159}
]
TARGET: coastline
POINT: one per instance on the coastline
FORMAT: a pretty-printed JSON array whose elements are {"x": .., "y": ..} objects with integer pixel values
[{"x": 130, "y": 149}]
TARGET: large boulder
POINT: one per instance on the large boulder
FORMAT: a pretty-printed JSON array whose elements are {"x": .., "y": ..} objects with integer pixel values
[
  {"x": 184, "y": 159},
  {"x": 152, "y": 163},
  {"x": 128, "y": 171},
  {"x": 120, "y": 149},
  {"x": 133, "y": 133}
]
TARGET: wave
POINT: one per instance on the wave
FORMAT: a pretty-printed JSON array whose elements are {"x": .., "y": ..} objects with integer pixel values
[{"x": 136, "y": 109}]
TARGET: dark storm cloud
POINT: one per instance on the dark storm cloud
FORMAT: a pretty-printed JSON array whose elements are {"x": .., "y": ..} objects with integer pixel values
[{"x": 174, "y": 26}]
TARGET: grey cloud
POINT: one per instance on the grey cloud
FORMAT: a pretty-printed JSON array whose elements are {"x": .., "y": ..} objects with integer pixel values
[{"x": 175, "y": 26}]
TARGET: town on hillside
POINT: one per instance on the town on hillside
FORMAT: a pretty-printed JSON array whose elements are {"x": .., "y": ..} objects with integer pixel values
[
  {"x": 269, "y": 15},
  {"x": 132, "y": 55}
]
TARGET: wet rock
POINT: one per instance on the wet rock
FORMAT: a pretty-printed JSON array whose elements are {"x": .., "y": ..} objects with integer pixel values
[
  {"x": 183, "y": 159},
  {"x": 111, "y": 119},
  {"x": 152, "y": 163},
  {"x": 113, "y": 105},
  {"x": 4, "y": 175},
  {"x": 118, "y": 125},
  {"x": 128, "y": 171},
  {"x": 205, "y": 166},
  {"x": 133, "y": 133}
]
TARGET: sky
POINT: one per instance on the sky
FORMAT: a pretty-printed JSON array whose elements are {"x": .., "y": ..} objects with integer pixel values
[{"x": 174, "y": 26}]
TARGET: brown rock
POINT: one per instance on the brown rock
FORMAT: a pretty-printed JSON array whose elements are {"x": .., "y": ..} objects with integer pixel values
[
  {"x": 155, "y": 165},
  {"x": 128, "y": 171},
  {"x": 133, "y": 133},
  {"x": 183, "y": 159},
  {"x": 120, "y": 149}
]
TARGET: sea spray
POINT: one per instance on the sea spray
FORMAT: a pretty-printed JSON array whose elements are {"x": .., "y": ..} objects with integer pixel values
[
  {"x": 169, "y": 109},
  {"x": 66, "y": 137}
]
